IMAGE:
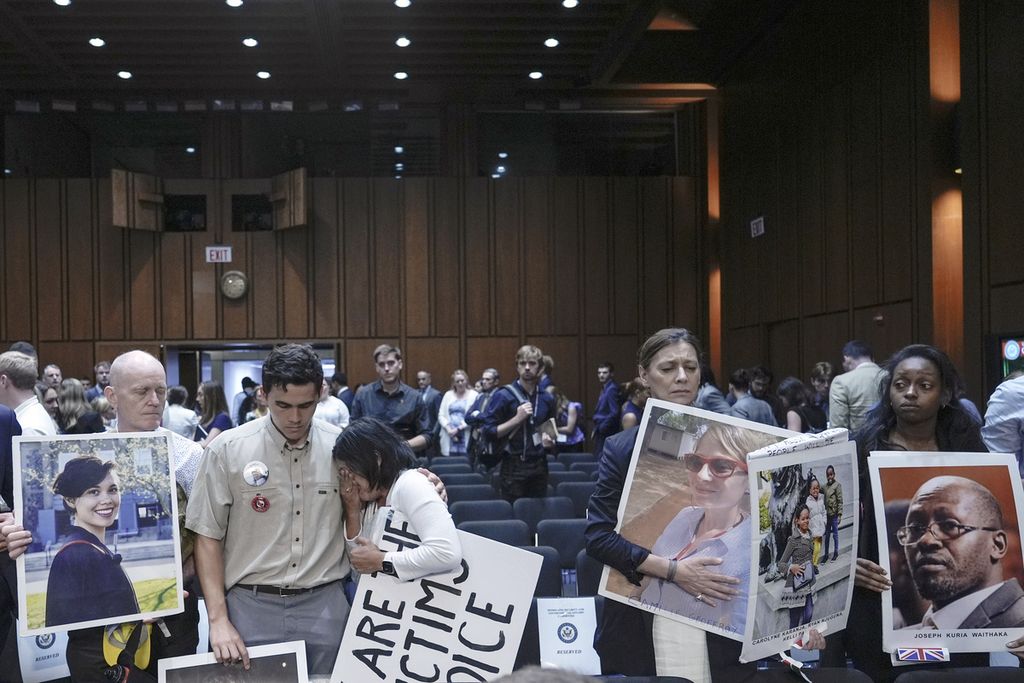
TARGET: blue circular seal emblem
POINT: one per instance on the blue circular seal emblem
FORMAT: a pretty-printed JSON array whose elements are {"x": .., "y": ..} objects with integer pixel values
[
  {"x": 1011, "y": 351},
  {"x": 45, "y": 641},
  {"x": 567, "y": 633}
]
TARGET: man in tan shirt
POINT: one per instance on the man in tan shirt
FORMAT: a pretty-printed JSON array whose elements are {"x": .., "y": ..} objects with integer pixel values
[{"x": 854, "y": 392}]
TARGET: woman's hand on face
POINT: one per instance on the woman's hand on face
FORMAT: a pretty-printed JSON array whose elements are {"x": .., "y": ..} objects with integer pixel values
[
  {"x": 697, "y": 576},
  {"x": 366, "y": 557},
  {"x": 349, "y": 490},
  {"x": 871, "y": 576}
]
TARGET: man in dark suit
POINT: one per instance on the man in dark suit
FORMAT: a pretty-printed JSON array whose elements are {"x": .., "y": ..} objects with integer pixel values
[
  {"x": 9, "y": 428},
  {"x": 341, "y": 389},
  {"x": 955, "y": 545}
]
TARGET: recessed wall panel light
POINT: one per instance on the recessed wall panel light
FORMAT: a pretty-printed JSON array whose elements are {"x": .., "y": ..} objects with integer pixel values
[
  {"x": 402, "y": 41},
  {"x": 500, "y": 169},
  {"x": 233, "y": 3},
  {"x": 401, "y": 75},
  {"x": 403, "y": 3},
  {"x": 250, "y": 42},
  {"x": 97, "y": 42},
  {"x": 495, "y": 175},
  {"x": 124, "y": 74},
  {"x": 503, "y": 155},
  {"x": 551, "y": 42},
  {"x": 399, "y": 149},
  {"x": 62, "y": 3},
  {"x": 190, "y": 150},
  {"x": 536, "y": 75},
  {"x": 263, "y": 74},
  {"x": 570, "y": 4}
]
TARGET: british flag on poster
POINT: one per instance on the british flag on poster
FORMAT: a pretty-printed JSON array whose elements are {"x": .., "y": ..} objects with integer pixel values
[{"x": 922, "y": 654}]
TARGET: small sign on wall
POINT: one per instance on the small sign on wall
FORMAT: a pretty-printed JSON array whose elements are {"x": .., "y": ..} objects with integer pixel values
[
  {"x": 221, "y": 254},
  {"x": 757, "y": 227}
]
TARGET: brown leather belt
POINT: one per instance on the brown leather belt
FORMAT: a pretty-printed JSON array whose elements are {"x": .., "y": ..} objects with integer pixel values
[{"x": 277, "y": 590}]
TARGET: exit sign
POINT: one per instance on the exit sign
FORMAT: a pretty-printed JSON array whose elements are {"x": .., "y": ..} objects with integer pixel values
[
  {"x": 218, "y": 254},
  {"x": 757, "y": 227}
]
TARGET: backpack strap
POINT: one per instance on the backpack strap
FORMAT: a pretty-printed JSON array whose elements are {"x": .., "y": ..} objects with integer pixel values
[{"x": 517, "y": 392}]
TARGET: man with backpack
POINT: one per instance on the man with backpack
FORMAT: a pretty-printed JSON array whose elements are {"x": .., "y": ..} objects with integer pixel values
[
  {"x": 514, "y": 413},
  {"x": 479, "y": 445}
]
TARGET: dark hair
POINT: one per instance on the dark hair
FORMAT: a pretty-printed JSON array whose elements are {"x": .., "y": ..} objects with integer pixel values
[
  {"x": 822, "y": 369},
  {"x": 707, "y": 375},
  {"x": 25, "y": 348},
  {"x": 214, "y": 401},
  {"x": 340, "y": 378},
  {"x": 830, "y": 468},
  {"x": 247, "y": 383},
  {"x": 801, "y": 507},
  {"x": 794, "y": 392},
  {"x": 740, "y": 379},
  {"x": 372, "y": 449},
  {"x": 663, "y": 338},
  {"x": 177, "y": 395},
  {"x": 761, "y": 372},
  {"x": 79, "y": 474},
  {"x": 295, "y": 364},
  {"x": 955, "y": 429},
  {"x": 606, "y": 364},
  {"x": 71, "y": 404},
  {"x": 855, "y": 348}
]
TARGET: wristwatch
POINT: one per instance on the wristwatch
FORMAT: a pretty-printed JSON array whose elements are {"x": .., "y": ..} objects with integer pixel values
[{"x": 388, "y": 568}]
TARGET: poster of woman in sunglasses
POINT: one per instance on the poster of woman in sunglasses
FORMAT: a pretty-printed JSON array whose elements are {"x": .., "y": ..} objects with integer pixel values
[
  {"x": 687, "y": 499},
  {"x": 949, "y": 538},
  {"x": 805, "y": 548}
]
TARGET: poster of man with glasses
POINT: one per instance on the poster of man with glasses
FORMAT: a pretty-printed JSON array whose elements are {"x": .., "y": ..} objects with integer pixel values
[{"x": 949, "y": 535}]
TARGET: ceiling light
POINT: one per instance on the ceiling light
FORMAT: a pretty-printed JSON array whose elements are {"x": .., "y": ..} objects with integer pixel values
[
  {"x": 124, "y": 74},
  {"x": 399, "y": 149},
  {"x": 398, "y": 176},
  {"x": 97, "y": 42},
  {"x": 8, "y": 171},
  {"x": 403, "y": 3},
  {"x": 500, "y": 169},
  {"x": 503, "y": 155},
  {"x": 250, "y": 42},
  {"x": 536, "y": 75},
  {"x": 403, "y": 42},
  {"x": 495, "y": 175},
  {"x": 62, "y": 3},
  {"x": 190, "y": 150},
  {"x": 233, "y": 3},
  {"x": 401, "y": 75},
  {"x": 263, "y": 74},
  {"x": 399, "y": 166},
  {"x": 551, "y": 42},
  {"x": 569, "y": 4}
]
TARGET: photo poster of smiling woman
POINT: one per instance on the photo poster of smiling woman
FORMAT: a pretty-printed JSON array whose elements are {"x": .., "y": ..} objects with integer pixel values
[
  {"x": 103, "y": 511},
  {"x": 805, "y": 499},
  {"x": 948, "y": 529},
  {"x": 687, "y": 499}
]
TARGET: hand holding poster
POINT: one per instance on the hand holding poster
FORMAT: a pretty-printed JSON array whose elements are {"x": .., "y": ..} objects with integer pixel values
[
  {"x": 949, "y": 537},
  {"x": 101, "y": 509},
  {"x": 465, "y": 624}
]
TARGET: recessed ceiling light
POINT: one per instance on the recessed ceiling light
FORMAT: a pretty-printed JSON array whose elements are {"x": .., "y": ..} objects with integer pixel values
[
  {"x": 399, "y": 149},
  {"x": 569, "y": 4},
  {"x": 97, "y": 42},
  {"x": 263, "y": 74},
  {"x": 403, "y": 3},
  {"x": 551, "y": 42},
  {"x": 503, "y": 155},
  {"x": 62, "y": 3},
  {"x": 495, "y": 175},
  {"x": 233, "y": 3},
  {"x": 403, "y": 42},
  {"x": 8, "y": 171},
  {"x": 401, "y": 75},
  {"x": 190, "y": 150},
  {"x": 536, "y": 75},
  {"x": 124, "y": 74},
  {"x": 500, "y": 169},
  {"x": 398, "y": 176},
  {"x": 250, "y": 42}
]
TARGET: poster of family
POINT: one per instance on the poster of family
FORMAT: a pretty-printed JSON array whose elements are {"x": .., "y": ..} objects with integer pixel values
[{"x": 757, "y": 522}]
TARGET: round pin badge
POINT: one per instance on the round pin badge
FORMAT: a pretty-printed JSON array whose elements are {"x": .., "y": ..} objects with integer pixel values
[
  {"x": 255, "y": 473},
  {"x": 260, "y": 503}
]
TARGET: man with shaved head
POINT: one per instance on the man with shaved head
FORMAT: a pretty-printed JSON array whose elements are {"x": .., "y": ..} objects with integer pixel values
[{"x": 955, "y": 545}]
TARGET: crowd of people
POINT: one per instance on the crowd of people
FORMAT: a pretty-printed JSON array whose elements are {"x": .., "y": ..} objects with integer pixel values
[{"x": 333, "y": 454}]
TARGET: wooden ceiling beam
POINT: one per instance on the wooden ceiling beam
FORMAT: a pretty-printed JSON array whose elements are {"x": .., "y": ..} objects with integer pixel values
[{"x": 623, "y": 39}]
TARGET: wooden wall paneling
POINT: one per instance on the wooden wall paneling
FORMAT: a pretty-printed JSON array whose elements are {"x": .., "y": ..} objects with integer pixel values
[
  {"x": 770, "y": 246},
  {"x": 76, "y": 359},
  {"x": 113, "y": 295},
  {"x": 1007, "y": 315},
  {"x": 565, "y": 283},
  {"x": 264, "y": 290},
  {"x": 620, "y": 351},
  {"x": 492, "y": 352},
  {"x": 6, "y": 275},
  {"x": 328, "y": 259},
  {"x": 388, "y": 257},
  {"x": 50, "y": 269},
  {"x": 207, "y": 317},
  {"x": 236, "y": 314},
  {"x": 437, "y": 355},
  {"x": 822, "y": 338},
  {"x": 784, "y": 229},
  {"x": 359, "y": 360},
  {"x": 597, "y": 262},
  {"x": 175, "y": 300},
  {"x": 448, "y": 281},
  {"x": 641, "y": 247},
  {"x": 864, "y": 175},
  {"x": 356, "y": 248},
  {"x": 835, "y": 159},
  {"x": 687, "y": 265},
  {"x": 813, "y": 271},
  {"x": 886, "y": 328},
  {"x": 144, "y": 284},
  {"x": 480, "y": 270},
  {"x": 538, "y": 259},
  {"x": 508, "y": 252},
  {"x": 298, "y": 287},
  {"x": 569, "y": 368},
  {"x": 784, "y": 346},
  {"x": 744, "y": 348},
  {"x": 418, "y": 252},
  {"x": 81, "y": 291},
  {"x": 18, "y": 262}
]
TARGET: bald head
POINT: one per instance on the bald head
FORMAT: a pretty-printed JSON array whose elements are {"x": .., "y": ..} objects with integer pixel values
[
  {"x": 977, "y": 500},
  {"x": 138, "y": 387}
]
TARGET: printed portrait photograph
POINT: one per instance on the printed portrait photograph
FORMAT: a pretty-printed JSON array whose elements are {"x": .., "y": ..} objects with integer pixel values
[
  {"x": 952, "y": 544},
  {"x": 278, "y": 663},
  {"x": 687, "y": 498},
  {"x": 102, "y": 511},
  {"x": 807, "y": 536}
]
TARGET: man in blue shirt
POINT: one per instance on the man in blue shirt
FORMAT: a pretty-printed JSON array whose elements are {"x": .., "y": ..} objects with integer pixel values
[
  {"x": 607, "y": 419},
  {"x": 513, "y": 415},
  {"x": 1003, "y": 430},
  {"x": 393, "y": 401}
]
